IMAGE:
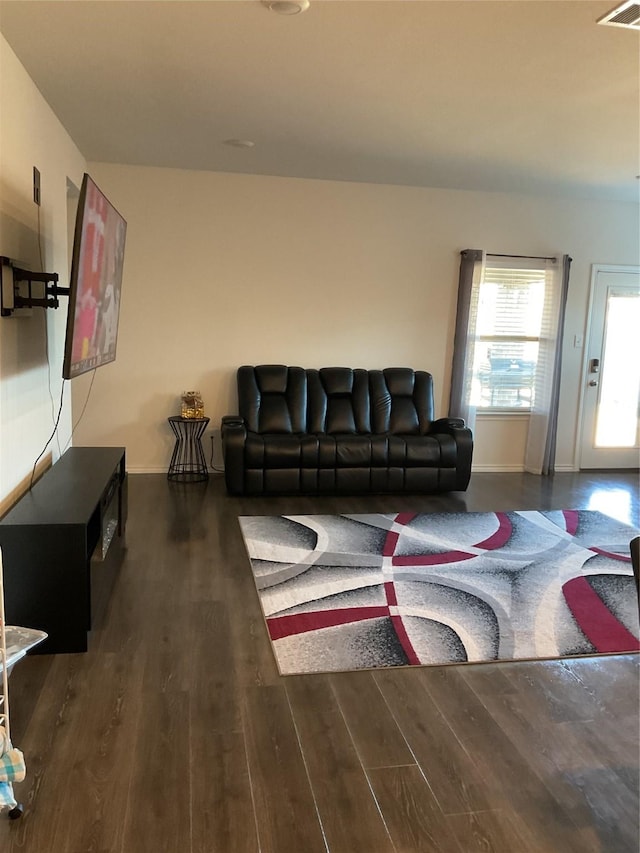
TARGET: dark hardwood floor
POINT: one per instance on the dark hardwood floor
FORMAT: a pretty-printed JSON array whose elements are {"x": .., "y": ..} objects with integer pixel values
[{"x": 176, "y": 734}]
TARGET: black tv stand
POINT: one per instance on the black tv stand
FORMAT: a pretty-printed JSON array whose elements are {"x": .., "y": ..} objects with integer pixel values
[{"x": 62, "y": 545}]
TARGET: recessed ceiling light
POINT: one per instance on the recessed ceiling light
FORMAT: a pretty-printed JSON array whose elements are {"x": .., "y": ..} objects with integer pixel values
[
  {"x": 287, "y": 7},
  {"x": 239, "y": 143}
]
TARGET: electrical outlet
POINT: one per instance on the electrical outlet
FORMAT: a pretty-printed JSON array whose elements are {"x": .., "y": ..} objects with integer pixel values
[{"x": 36, "y": 186}]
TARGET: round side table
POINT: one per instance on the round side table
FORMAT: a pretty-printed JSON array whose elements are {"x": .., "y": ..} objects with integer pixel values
[{"x": 188, "y": 464}]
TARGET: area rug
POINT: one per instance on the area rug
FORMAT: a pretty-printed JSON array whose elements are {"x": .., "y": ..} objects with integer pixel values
[{"x": 348, "y": 592}]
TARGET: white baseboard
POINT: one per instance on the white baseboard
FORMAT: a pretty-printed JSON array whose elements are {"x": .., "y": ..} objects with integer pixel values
[
  {"x": 136, "y": 469},
  {"x": 496, "y": 469},
  {"x": 475, "y": 469},
  {"x": 511, "y": 469}
]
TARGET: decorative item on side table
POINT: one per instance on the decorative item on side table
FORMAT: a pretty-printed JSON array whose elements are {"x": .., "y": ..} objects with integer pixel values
[
  {"x": 192, "y": 405},
  {"x": 188, "y": 463}
]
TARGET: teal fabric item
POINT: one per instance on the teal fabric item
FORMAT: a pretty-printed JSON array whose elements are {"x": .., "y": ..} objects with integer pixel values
[{"x": 12, "y": 769}]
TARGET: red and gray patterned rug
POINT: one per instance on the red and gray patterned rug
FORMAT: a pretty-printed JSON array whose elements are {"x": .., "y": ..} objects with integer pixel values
[{"x": 347, "y": 592}]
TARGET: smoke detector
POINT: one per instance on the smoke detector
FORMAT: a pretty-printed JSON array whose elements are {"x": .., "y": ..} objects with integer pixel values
[
  {"x": 287, "y": 7},
  {"x": 625, "y": 15},
  {"x": 240, "y": 143}
]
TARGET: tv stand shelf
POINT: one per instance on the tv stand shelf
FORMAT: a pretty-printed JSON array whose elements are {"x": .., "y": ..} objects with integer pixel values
[{"x": 62, "y": 544}]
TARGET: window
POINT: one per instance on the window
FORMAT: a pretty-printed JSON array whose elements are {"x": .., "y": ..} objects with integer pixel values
[
  {"x": 507, "y": 347},
  {"x": 508, "y": 324}
]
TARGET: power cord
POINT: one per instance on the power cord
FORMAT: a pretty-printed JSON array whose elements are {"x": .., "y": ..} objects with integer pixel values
[
  {"x": 46, "y": 343},
  {"x": 83, "y": 409},
  {"x": 57, "y": 418},
  {"x": 46, "y": 333},
  {"x": 55, "y": 429},
  {"x": 211, "y": 465}
]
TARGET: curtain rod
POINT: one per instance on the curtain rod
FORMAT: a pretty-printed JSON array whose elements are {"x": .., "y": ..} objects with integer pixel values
[{"x": 530, "y": 257}]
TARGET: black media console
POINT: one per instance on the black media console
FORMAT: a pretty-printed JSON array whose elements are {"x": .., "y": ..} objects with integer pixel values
[{"x": 62, "y": 545}]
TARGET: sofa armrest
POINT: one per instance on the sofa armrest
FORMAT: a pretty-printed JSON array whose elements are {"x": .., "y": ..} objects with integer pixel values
[
  {"x": 446, "y": 424},
  {"x": 232, "y": 420},
  {"x": 463, "y": 438},
  {"x": 234, "y": 434}
]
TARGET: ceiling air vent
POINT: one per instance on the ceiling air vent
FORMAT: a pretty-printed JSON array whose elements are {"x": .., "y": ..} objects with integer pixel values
[{"x": 624, "y": 15}]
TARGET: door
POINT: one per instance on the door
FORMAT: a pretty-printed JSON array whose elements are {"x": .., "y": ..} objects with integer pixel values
[{"x": 611, "y": 399}]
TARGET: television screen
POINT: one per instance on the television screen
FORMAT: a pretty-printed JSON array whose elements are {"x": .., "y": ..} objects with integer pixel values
[{"x": 94, "y": 287}]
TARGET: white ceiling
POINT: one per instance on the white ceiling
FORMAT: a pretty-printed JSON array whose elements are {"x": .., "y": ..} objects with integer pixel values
[{"x": 512, "y": 96}]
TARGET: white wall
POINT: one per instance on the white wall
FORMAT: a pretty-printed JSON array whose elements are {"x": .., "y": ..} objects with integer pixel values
[
  {"x": 31, "y": 135},
  {"x": 225, "y": 269}
]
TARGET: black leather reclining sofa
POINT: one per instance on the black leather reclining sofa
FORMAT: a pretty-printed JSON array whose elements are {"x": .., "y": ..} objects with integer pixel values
[{"x": 339, "y": 430}]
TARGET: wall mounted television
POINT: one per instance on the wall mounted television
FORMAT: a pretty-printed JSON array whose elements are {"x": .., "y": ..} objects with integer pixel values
[{"x": 95, "y": 283}]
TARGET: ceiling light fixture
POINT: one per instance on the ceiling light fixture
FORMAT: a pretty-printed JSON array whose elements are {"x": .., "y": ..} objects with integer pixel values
[{"x": 287, "y": 7}]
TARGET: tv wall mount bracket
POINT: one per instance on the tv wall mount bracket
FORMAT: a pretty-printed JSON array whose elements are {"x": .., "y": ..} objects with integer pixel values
[{"x": 27, "y": 289}]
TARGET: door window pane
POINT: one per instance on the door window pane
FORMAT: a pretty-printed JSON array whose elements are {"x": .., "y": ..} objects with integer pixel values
[{"x": 617, "y": 416}]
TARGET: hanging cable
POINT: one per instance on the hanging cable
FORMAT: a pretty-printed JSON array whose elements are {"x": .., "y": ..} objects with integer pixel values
[
  {"x": 46, "y": 335},
  {"x": 55, "y": 429},
  {"x": 211, "y": 465},
  {"x": 83, "y": 409}
]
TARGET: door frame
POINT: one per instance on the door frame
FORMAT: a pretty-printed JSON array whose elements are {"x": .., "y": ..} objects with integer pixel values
[{"x": 595, "y": 269}]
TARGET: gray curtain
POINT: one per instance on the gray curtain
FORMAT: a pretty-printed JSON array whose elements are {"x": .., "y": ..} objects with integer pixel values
[
  {"x": 543, "y": 417},
  {"x": 549, "y": 459},
  {"x": 471, "y": 261}
]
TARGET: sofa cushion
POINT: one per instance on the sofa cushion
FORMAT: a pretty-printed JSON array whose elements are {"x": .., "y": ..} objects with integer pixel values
[
  {"x": 338, "y": 401},
  {"x": 272, "y": 398},
  {"x": 272, "y": 450},
  {"x": 421, "y": 451},
  {"x": 401, "y": 401},
  {"x": 344, "y": 451}
]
